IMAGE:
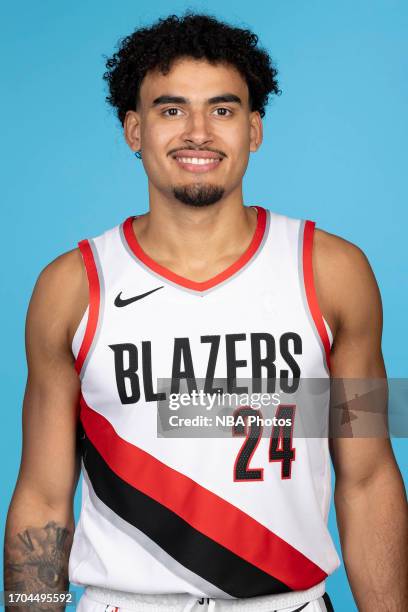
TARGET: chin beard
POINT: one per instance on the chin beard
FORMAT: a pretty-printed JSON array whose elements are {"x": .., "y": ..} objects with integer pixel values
[{"x": 198, "y": 195}]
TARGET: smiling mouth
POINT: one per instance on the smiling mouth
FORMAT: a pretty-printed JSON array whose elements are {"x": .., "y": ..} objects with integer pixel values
[
  {"x": 199, "y": 161},
  {"x": 202, "y": 163}
]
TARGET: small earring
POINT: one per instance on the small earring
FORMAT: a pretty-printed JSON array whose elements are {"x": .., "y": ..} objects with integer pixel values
[{"x": 138, "y": 154}]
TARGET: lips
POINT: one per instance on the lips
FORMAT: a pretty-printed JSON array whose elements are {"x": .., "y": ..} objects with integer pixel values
[{"x": 197, "y": 161}]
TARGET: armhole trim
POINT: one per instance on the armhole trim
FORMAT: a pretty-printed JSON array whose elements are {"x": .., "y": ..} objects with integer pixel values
[
  {"x": 310, "y": 289},
  {"x": 94, "y": 303}
]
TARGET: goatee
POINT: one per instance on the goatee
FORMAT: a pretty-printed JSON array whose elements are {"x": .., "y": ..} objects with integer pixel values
[{"x": 198, "y": 195}]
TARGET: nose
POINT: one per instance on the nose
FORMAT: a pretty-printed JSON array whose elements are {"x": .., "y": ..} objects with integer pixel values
[{"x": 197, "y": 129}]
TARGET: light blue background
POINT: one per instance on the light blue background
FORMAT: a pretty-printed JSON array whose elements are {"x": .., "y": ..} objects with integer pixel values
[{"x": 334, "y": 151}]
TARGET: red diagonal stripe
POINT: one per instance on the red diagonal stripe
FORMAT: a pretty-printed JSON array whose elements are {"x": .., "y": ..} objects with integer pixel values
[{"x": 205, "y": 511}]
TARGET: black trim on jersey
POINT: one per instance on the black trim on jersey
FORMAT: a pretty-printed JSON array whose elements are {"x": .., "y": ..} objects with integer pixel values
[
  {"x": 328, "y": 603},
  {"x": 202, "y": 555}
]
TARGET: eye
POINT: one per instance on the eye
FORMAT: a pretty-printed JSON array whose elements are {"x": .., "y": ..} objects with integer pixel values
[
  {"x": 221, "y": 111},
  {"x": 171, "y": 112}
]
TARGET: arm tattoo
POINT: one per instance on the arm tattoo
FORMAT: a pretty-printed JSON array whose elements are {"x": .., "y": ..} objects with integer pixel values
[{"x": 36, "y": 561}]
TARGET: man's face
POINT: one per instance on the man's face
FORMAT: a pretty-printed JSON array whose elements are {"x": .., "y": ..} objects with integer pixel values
[{"x": 195, "y": 129}]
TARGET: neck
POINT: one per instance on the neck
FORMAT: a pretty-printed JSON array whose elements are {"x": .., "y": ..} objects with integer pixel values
[{"x": 196, "y": 242}]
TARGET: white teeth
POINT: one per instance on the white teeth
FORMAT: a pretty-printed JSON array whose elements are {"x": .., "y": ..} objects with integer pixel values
[{"x": 200, "y": 161}]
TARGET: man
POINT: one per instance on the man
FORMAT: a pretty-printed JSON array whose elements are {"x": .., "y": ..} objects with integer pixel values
[{"x": 200, "y": 287}]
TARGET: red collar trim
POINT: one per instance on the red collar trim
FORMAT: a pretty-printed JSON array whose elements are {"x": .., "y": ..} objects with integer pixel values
[{"x": 185, "y": 282}]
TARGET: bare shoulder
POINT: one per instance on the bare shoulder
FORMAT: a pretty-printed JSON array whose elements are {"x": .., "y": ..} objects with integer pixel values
[
  {"x": 65, "y": 272},
  {"x": 60, "y": 297},
  {"x": 335, "y": 255},
  {"x": 345, "y": 283}
]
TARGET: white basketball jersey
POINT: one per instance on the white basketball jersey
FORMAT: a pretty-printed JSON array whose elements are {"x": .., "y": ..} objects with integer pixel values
[{"x": 213, "y": 516}]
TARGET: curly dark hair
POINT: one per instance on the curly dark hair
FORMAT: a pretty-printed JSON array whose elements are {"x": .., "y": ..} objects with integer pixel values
[{"x": 200, "y": 36}]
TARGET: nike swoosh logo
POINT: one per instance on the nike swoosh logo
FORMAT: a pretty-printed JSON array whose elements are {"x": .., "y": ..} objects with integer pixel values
[{"x": 119, "y": 302}]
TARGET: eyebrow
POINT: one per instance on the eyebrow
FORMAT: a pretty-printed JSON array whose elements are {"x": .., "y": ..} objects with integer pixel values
[{"x": 166, "y": 99}]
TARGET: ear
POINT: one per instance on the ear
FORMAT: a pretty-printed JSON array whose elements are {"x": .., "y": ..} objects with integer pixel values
[
  {"x": 256, "y": 131},
  {"x": 131, "y": 127}
]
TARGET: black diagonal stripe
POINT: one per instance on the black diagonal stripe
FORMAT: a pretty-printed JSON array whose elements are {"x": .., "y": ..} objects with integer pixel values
[{"x": 199, "y": 553}]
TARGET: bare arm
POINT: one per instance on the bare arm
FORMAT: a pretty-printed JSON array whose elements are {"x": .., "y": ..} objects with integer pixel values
[
  {"x": 370, "y": 498},
  {"x": 40, "y": 522}
]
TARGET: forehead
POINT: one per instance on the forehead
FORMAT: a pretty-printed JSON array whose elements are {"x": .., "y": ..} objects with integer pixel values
[{"x": 194, "y": 79}]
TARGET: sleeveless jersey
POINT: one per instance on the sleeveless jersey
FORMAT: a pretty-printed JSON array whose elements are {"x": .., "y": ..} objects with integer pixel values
[{"x": 220, "y": 517}]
